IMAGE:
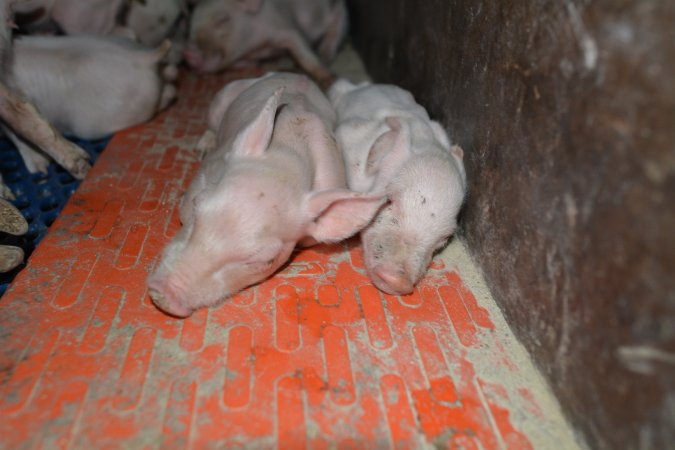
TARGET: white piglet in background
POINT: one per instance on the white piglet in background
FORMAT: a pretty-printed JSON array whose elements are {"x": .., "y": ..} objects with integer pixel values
[
  {"x": 224, "y": 33},
  {"x": 21, "y": 117},
  {"x": 273, "y": 177},
  {"x": 391, "y": 145},
  {"x": 71, "y": 16},
  {"x": 88, "y": 86},
  {"x": 147, "y": 21},
  {"x": 152, "y": 21}
]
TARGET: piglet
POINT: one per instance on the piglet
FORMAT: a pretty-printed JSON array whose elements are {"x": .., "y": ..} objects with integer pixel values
[
  {"x": 390, "y": 145},
  {"x": 92, "y": 86},
  {"x": 72, "y": 16},
  {"x": 272, "y": 177},
  {"x": 152, "y": 21},
  {"x": 88, "y": 86},
  {"x": 21, "y": 117},
  {"x": 228, "y": 32}
]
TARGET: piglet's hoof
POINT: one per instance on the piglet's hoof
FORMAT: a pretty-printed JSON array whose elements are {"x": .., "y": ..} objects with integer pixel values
[
  {"x": 79, "y": 169},
  {"x": 11, "y": 220},
  {"x": 10, "y": 257},
  {"x": 75, "y": 160}
]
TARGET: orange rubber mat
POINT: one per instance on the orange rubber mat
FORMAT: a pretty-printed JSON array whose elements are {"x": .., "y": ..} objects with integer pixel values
[{"x": 314, "y": 358}]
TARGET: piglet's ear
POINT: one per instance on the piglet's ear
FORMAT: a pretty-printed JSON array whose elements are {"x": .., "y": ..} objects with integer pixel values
[
  {"x": 389, "y": 151},
  {"x": 337, "y": 214},
  {"x": 255, "y": 138},
  {"x": 224, "y": 99},
  {"x": 440, "y": 134}
]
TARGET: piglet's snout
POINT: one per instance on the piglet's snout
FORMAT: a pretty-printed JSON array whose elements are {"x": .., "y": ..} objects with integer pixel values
[
  {"x": 193, "y": 57},
  {"x": 392, "y": 280},
  {"x": 166, "y": 300}
]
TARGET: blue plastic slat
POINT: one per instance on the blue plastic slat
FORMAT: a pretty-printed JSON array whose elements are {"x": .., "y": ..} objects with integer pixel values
[{"x": 39, "y": 196}]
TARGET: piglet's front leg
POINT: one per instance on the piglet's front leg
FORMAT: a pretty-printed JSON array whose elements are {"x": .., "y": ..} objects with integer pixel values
[
  {"x": 335, "y": 32},
  {"x": 26, "y": 121}
]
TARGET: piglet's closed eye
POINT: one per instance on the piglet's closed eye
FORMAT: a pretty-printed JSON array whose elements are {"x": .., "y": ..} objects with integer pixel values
[{"x": 266, "y": 253}]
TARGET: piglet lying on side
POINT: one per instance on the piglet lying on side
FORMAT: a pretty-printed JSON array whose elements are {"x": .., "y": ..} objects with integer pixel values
[
  {"x": 72, "y": 16},
  {"x": 22, "y": 118},
  {"x": 225, "y": 32},
  {"x": 390, "y": 145},
  {"x": 147, "y": 21},
  {"x": 273, "y": 177},
  {"x": 88, "y": 86}
]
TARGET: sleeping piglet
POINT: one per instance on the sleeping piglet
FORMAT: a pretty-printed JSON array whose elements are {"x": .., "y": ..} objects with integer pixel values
[
  {"x": 88, "y": 86},
  {"x": 272, "y": 177},
  {"x": 92, "y": 86},
  {"x": 390, "y": 145},
  {"x": 72, "y": 16},
  {"x": 152, "y": 21},
  {"x": 228, "y": 32}
]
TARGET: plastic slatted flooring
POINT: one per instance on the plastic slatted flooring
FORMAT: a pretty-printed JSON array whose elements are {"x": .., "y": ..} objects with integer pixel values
[
  {"x": 40, "y": 196},
  {"x": 314, "y": 358}
]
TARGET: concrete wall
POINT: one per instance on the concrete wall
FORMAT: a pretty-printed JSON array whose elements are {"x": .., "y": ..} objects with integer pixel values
[{"x": 566, "y": 112}]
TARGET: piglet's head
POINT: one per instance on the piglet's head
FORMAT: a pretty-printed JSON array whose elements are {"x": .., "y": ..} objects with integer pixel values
[
  {"x": 216, "y": 32},
  {"x": 426, "y": 190},
  {"x": 244, "y": 228}
]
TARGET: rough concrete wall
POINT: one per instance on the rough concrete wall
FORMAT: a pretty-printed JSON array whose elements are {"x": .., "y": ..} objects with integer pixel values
[{"x": 566, "y": 112}]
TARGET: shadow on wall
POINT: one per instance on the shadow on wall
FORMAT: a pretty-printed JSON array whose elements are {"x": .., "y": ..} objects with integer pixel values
[{"x": 565, "y": 111}]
